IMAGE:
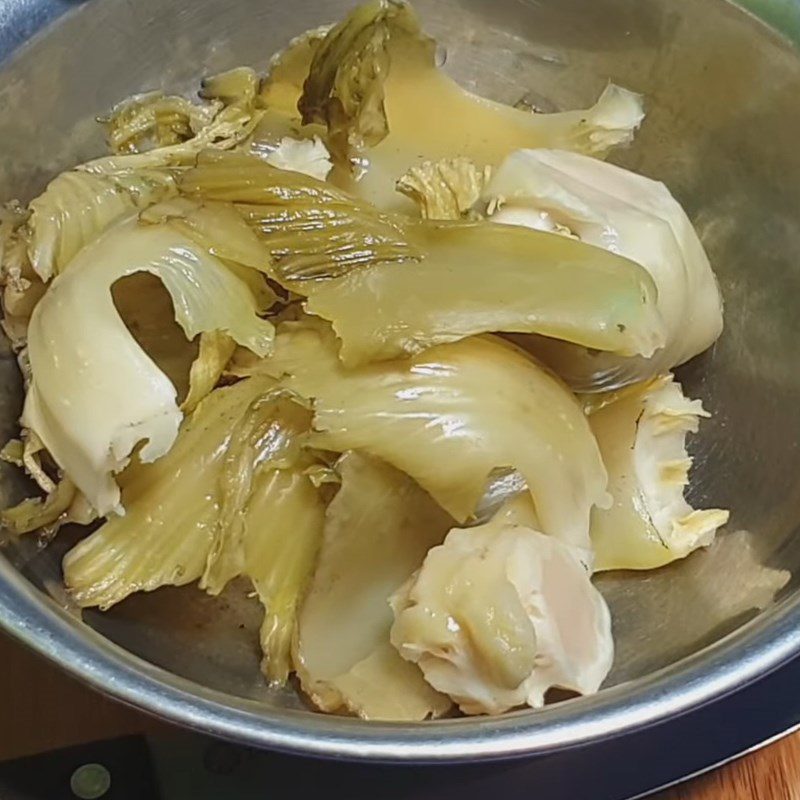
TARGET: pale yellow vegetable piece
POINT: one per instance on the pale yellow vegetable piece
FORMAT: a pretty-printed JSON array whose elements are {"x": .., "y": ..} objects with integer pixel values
[
  {"x": 215, "y": 226},
  {"x": 234, "y": 480},
  {"x": 633, "y": 216},
  {"x": 478, "y": 277},
  {"x": 308, "y": 156},
  {"x": 216, "y": 349},
  {"x": 75, "y": 208},
  {"x": 220, "y": 229},
  {"x": 95, "y": 394},
  {"x": 230, "y": 127},
  {"x": 373, "y": 73},
  {"x": 61, "y": 502},
  {"x": 642, "y": 437},
  {"x": 171, "y": 509},
  {"x": 444, "y": 189},
  {"x": 21, "y": 286},
  {"x": 32, "y": 451},
  {"x": 153, "y": 131},
  {"x": 268, "y": 436},
  {"x": 37, "y": 512},
  {"x": 150, "y": 120},
  {"x": 499, "y": 614},
  {"x": 448, "y": 417},
  {"x": 12, "y": 452},
  {"x": 385, "y": 687},
  {"x": 312, "y": 230},
  {"x": 235, "y": 86},
  {"x": 378, "y": 529},
  {"x": 457, "y": 278},
  {"x": 283, "y": 528},
  {"x": 287, "y": 72}
]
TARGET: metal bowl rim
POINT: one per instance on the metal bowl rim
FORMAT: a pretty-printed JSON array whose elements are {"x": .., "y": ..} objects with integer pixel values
[
  {"x": 748, "y": 653},
  {"x": 743, "y": 656}
]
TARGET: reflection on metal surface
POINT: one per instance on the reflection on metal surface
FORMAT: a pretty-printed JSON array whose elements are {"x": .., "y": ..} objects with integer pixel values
[
  {"x": 21, "y": 19},
  {"x": 722, "y": 126}
]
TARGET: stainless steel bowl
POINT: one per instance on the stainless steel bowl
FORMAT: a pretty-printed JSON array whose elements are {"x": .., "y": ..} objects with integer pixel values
[{"x": 723, "y": 127}]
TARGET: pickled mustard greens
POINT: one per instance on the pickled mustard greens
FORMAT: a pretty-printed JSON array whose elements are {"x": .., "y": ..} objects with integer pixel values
[
  {"x": 499, "y": 614},
  {"x": 215, "y": 350},
  {"x": 22, "y": 288},
  {"x": 34, "y": 513},
  {"x": 383, "y": 686},
  {"x": 151, "y": 120},
  {"x": 344, "y": 88},
  {"x": 95, "y": 394},
  {"x": 282, "y": 527},
  {"x": 74, "y": 209},
  {"x": 266, "y": 339},
  {"x": 219, "y": 229},
  {"x": 371, "y": 75},
  {"x": 448, "y": 417},
  {"x": 309, "y": 157},
  {"x": 642, "y": 437},
  {"x": 268, "y": 436},
  {"x": 377, "y": 531},
  {"x": 476, "y": 277},
  {"x": 151, "y": 131},
  {"x": 445, "y": 189},
  {"x": 343, "y": 254},
  {"x": 312, "y": 230},
  {"x": 61, "y": 504},
  {"x": 172, "y": 509},
  {"x": 638, "y": 218},
  {"x": 229, "y": 498}
]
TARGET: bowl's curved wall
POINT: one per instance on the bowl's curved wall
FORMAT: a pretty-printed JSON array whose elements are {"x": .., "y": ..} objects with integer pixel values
[{"x": 722, "y": 130}]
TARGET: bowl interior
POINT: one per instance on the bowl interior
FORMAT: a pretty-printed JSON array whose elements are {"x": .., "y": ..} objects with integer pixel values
[{"x": 722, "y": 127}]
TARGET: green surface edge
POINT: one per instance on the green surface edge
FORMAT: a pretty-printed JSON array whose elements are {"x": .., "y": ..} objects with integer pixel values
[{"x": 783, "y": 15}]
